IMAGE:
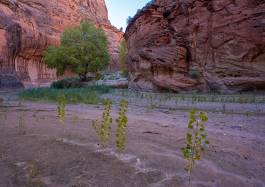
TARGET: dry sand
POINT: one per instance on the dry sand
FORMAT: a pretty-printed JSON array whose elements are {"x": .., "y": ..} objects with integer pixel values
[{"x": 37, "y": 150}]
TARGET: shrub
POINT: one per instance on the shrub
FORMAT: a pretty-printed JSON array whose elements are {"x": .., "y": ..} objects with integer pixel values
[
  {"x": 83, "y": 50},
  {"x": 139, "y": 11},
  {"x": 32, "y": 170},
  {"x": 61, "y": 107},
  {"x": 122, "y": 121},
  {"x": 196, "y": 140},
  {"x": 67, "y": 83},
  {"x": 87, "y": 95},
  {"x": 103, "y": 127}
]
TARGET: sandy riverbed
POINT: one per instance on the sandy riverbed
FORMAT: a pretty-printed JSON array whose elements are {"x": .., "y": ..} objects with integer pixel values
[{"x": 37, "y": 150}]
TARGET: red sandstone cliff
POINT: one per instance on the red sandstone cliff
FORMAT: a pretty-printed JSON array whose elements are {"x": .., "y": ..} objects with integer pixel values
[
  {"x": 28, "y": 27},
  {"x": 198, "y": 45}
]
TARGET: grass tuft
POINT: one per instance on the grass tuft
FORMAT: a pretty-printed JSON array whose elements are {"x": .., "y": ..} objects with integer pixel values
[{"x": 87, "y": 95}]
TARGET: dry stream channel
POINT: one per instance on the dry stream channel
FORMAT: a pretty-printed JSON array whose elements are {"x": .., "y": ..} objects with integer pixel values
[{"x": 37, "y": 150}]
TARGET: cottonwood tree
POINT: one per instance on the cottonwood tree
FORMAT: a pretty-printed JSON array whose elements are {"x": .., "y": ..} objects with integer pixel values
[{"x": 83, "y": 50}]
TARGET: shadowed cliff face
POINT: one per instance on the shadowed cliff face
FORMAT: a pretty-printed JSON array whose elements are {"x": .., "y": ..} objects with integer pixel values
[
  {"x": 198, "y": 45},
  {"x": 28, "y": 27}
]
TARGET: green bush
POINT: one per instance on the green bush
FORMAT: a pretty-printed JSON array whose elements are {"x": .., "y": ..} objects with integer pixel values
[
  {"x": 87, "y": 95},
  {"x": 103, "y": 127},
  {"x": 122, "y": 122},
  {"x": 61, "y": 107},
  {"x": 196, "y": 140},
  {"x": 67, "y": 83}
]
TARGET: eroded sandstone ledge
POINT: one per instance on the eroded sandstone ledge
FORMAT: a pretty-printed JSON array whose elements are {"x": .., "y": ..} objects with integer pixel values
[{"x": 205, "y": 45}]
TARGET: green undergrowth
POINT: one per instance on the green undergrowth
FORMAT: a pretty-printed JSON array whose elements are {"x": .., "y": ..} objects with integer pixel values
[{"x": 87, "y": 95}]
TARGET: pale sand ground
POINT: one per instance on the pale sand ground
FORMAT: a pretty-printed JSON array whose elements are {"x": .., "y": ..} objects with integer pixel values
[{"x": 67, "y": 155}]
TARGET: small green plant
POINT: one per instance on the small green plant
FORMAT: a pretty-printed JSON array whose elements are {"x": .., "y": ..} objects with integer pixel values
[
  {"x": 103, "y": 127},
  {"x": 248, "y": 114},
  {"x": 196, "y": 140},
  {"x": 122, "y": 121},
  {"x": 61, "y": 107},
  {"x": 32, "y": 170}
]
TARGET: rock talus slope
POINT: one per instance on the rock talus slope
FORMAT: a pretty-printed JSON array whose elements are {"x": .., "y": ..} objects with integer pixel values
[
  {"x": 28, "y": 27},
  {"x": 185, "y": 45}
]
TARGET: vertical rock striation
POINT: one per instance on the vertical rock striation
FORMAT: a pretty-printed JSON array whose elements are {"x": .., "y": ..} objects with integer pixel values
[
  {"x": 28, "y": 27},
  {"x": 185, "y": 45}
]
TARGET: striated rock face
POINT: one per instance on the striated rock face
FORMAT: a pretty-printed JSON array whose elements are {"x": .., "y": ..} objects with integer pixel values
[
  {"x": 198, "y": 45},
  {"x": 28, "y": 27},
  {"x": 115, "y": 37}
]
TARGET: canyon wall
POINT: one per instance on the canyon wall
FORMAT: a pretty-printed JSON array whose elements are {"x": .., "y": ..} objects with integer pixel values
[
  {"x": 205, "y": 45},
  {"x": 28, "y": 27}
]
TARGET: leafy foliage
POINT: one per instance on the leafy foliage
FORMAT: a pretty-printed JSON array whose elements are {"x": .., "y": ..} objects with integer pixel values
[
  {"x": 83, "y": 50},
  {"x": 103, "y": 128},
  {"x": 61, "y": 107},
  {"x": 32, "y": 170},
  {"x": 122, "y": 121},
  {"x": 139, "y": 11},
  {"x": 87, "y": 95},
  {"x": 196, "y": 139},
  {"x": 122, "y": 57}
]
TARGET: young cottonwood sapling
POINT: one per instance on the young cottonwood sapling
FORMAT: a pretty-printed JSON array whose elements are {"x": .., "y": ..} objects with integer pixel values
[
  {"x": 122, "y": 121},
  {"x": 196, "y": 140},
  {"x": 103, "y": 127},
  {"x": 61, "y": 107}
]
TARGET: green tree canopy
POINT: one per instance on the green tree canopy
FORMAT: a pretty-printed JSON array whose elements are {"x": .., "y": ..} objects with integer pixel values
[{"x": 83, "y": 50}]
